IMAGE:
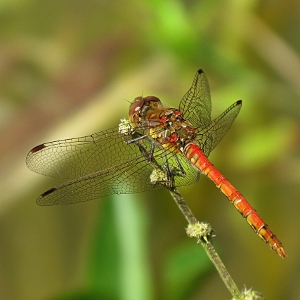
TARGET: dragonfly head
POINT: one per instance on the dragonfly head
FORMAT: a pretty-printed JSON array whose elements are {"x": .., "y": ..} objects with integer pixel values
[{"x": 140, "y": 106}]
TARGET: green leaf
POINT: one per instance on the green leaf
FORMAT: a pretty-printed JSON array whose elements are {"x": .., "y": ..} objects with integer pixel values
[{"x": 119, "y": 259}]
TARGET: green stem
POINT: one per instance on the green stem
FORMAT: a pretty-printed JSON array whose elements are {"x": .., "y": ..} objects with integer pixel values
[{"x": 208, "y": 247}]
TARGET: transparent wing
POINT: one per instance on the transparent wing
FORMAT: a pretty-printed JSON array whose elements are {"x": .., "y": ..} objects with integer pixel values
[
  {"x": 196, "y": 103},
  {"x": 130, "y": 177},
  {"x": 133, "y": 176},
  {"x": 209, "y": 137},
  {"x": 77, "y": 157}
]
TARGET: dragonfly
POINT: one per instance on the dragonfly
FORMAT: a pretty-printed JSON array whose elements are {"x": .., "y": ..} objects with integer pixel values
[{"x": 155, "y": 147}]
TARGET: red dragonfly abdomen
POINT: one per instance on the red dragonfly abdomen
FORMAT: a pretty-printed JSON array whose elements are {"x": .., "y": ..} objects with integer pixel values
[{"x": 199, "y": 160}]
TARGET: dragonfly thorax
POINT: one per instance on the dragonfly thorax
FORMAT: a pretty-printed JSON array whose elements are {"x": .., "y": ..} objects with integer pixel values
[{"x": 166, "y": 125}]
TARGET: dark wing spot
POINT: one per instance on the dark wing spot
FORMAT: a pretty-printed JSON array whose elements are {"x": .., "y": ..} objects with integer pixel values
[
  {"x": 48, "y": 192},
  {"x": 38, "y": 148}
]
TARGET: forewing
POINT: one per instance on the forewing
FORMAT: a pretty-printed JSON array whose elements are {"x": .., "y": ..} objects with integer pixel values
[
  {"x": 209, "y": 137},
  {"x": 196, "y": 103},
  {"x": 77, "y": 157}
]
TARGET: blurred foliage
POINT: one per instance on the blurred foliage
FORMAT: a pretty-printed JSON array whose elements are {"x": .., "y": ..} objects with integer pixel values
[{"x": 66, "y": 68}]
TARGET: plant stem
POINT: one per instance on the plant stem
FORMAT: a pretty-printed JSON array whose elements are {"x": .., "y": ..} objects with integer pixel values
[{"x": 208, "y": 247}]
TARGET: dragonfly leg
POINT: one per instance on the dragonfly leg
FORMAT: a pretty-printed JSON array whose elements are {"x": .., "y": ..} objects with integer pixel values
[
  {"x": 161, "y": 172},
  {"x": 148, "y": 154},
  {"x": 181, "y": 169},
  {"x": 136, "y": 139}
]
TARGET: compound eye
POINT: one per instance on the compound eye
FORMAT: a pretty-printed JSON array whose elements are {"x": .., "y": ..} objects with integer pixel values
[
  {"x": 136, "y": 106},
  {"x": 153, "y": 101}
]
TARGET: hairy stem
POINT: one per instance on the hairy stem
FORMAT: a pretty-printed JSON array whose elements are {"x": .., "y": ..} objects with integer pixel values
[{"x": 208, "y": 247}]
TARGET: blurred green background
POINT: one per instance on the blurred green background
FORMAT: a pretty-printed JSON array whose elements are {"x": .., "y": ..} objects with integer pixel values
[{"x": 69, "y": 68}]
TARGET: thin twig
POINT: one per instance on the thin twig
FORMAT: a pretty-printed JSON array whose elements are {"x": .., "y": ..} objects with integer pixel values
[
  {"x": 201, "y": 231},
  {"x": 208, "y": 247}
]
